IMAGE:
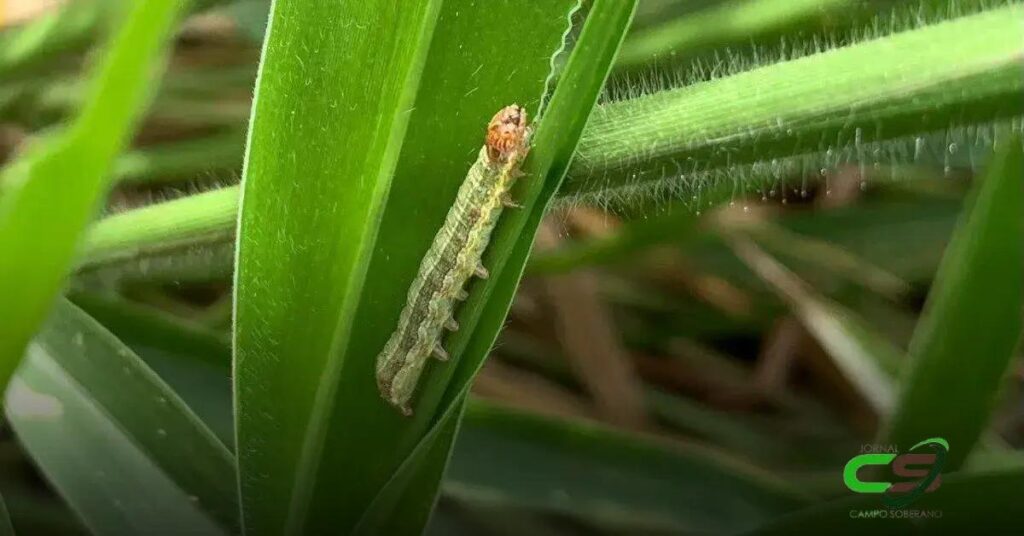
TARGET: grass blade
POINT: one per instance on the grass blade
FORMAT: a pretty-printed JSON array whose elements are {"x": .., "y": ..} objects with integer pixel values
[
  {"x": 140, "y": 325},
  {"x": 484, "y": 313},
  {"x": 609, "y": 478},
  {"x": 352, "y": 424},
  {"x": 329, "y": 118},
  {"x": 118, "y": 444},
  {"x": 48, "y": 196},
  {"x": 964, "y": 343},
  {"x": 194, "y": 361}
]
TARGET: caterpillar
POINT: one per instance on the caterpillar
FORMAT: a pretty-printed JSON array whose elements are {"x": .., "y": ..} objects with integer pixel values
[{"x": 453, "y": 258}]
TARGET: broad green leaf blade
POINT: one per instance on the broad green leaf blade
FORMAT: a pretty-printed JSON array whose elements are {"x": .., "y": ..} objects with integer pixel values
[
  {"x": 964, "y": 343},
  {"x": 139, "y": 325},
  {"x": 413, "y": 490},
  {"x": 555, "y": 143},
  {"x": 115, "y": 441},
  {"x": 965, "y": 502},
  {"x": 48, "y": 196},
  {"x": 31, "y": 514},
  {"x": 476, "y": 65},
  {"x": 609, "y": 478},
  {"x": 193, "y": 361},
  {"x": 336, "y": 83},
  {"x": 484, "y": 312}
]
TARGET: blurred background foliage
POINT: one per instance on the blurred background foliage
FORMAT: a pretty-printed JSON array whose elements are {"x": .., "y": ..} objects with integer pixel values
[{"x": 707, "y": 329}]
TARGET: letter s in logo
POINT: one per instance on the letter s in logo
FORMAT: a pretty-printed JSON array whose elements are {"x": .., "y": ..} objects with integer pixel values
[{"x": 903, "y": 493}]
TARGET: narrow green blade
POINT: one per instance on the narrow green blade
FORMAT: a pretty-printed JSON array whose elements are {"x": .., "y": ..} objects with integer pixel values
[
  {"x": 336, "y": 83},
  {"x": 964, "y": 343},
  {"x": 484, "y": 312},
  {"x": 48, "y": 196},
  {"x": 116, "y": 442},
  {"x": 609, "y": 478}
]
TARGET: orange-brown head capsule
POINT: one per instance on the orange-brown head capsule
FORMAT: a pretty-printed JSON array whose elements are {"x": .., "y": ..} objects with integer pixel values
[{"x": 507, "y": 133}]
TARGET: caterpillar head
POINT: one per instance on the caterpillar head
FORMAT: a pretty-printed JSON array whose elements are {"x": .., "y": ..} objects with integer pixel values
[{"x": 507, "y": 134}]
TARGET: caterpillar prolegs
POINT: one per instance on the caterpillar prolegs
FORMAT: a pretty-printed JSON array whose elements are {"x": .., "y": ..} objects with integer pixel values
[{"x": 453, "y": 257}]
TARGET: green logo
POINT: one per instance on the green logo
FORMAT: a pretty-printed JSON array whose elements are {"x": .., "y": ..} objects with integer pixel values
[{"x": 926, "y": 466}]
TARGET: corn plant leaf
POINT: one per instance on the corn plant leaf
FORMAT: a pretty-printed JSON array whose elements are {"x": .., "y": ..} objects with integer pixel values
[
  {"x": 117, "y": 443},
  {"x": 49, "y": 195},
  {"x": 357, "y": 147},
  {"x": 484, "y": 313},
  {"x": 586, "y": 471},
  {"x": 607, "y": 477},
  {"x": 964, "y": 343}
]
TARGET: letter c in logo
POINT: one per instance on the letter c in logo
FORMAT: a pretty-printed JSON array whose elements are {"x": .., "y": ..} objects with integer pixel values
[{"x": 856, "y": 484}]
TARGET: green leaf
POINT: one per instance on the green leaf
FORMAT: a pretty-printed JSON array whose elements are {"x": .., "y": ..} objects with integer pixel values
[
  {"x": 352, "y": 432},
  {"x": 413, "y": 489},
  {"x": 115, "y": 441},
  {"x": 140, "y": 325},
  {"x": 336, "y": 421},
  {"x": 964, "y": 343},
  {"x": 607, "y": 477},
  {"x": 329, "y": 118},
  {"x": 193, "y": 360},
  {"x": 48, "y": 196},
  {"x": 483, "y": 314}
]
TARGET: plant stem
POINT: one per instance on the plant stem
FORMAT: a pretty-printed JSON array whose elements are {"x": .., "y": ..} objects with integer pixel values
[
  {"x": 843, "y": 101},
  {"x": 952, "y": 73}
]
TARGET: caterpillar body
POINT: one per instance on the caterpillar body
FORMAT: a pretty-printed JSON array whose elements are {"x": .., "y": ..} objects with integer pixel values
[{"x": 453, "y": 258}]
